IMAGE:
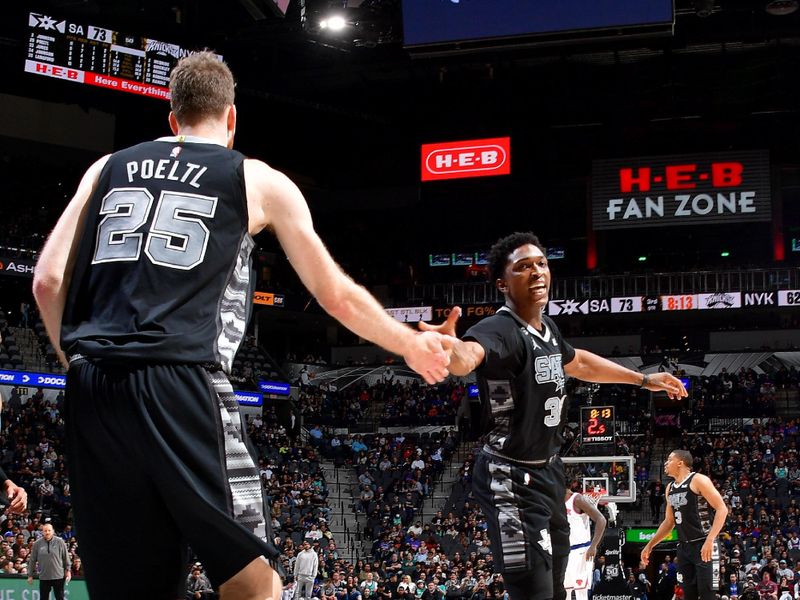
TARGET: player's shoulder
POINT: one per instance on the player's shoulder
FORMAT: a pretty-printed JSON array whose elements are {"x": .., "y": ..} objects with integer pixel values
[{"x": 499, "y": 323}]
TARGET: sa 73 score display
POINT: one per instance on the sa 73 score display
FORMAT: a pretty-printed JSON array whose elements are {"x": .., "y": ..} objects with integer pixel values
[{"x": 597, "y": 424}]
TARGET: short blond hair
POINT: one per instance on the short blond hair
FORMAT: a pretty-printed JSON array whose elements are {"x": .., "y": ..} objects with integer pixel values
[{"x": 201, "y": 86}]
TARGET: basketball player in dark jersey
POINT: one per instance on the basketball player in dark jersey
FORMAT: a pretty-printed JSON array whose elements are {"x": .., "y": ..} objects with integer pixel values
[
  {"x": 521, "y": 361},
  {"x": 691, "y": 497},
  {"x": 145, "y": 286}
]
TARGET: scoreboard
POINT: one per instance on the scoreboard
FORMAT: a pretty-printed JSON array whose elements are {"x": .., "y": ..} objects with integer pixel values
[
  {"x": 84, "y": 53},
  {"x": 678, "y": 302},
  {"x": 597, "y": 424}
]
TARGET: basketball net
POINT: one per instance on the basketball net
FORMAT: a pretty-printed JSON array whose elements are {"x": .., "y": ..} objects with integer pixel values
[{"x": 596, "y": 496}]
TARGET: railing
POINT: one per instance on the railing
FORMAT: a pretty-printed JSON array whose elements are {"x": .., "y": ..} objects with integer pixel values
[{"x": 628, "y": 284}]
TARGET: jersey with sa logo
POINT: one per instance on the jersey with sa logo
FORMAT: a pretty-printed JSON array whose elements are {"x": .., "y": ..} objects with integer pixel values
[{"x": 522, "y": 385}]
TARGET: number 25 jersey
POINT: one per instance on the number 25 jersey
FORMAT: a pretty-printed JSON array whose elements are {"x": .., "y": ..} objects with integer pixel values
[{"x": 162, "y": 272}]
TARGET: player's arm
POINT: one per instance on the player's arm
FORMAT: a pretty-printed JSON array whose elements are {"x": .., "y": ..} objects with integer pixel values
[
  {"x": 587, "y": 366},
  {"x": 583, "y": 505},
  {"x": 465, "y": 356},
  {"x": 280, "y": 205},
  {"x": 56, "y": 261},
  {"x": 705, "y": 487},
  {"x": 663, "y": 531}
]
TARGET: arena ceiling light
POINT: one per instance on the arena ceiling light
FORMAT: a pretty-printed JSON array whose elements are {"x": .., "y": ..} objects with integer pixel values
[
  {"x": 333, "y": 23},
  {"x": 780, "y": 8}
]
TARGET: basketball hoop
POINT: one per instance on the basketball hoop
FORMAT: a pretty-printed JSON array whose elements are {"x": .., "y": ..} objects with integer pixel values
[
  {"x": 595, "y": 496},
  {"x": 598, "y": 496}
]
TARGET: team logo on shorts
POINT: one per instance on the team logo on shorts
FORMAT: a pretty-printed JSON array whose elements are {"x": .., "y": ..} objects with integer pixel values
[{"x": 545, "y": 541}]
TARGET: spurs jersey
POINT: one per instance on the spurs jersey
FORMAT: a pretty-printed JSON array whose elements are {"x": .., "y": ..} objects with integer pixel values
[
  {"x": 580, "y": 529},
  {"x": 163, "y": 271},
  {"x": 693, "y": 515},
  {"x": 521, "y": 382}
]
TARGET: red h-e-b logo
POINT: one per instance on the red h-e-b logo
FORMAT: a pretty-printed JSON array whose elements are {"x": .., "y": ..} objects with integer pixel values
[{"x": 470, "y": 158}]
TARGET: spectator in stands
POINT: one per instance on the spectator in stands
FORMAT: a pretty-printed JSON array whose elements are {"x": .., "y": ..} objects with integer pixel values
[
  {"x": 51, "y": 555},
  {"x": 306, "y": 568},
  {"x": 198, "y": 587},
  {"x": 767, "y": 588}
]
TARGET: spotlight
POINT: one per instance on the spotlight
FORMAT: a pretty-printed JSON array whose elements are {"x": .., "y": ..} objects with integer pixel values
[
  {"x": 334, "y": 23},
  {"x": 780, "y": 8}
]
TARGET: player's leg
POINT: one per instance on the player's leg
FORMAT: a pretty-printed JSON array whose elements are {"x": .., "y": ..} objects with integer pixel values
[
  {"x": 111, "y": 489},
  {"x": 708, "y": 575},
  {"x": 687, "y": 572},
  {"x": 517, "y": 517},
  {"x": 582, "y": 594},
  {"x": 209, "y": 480}
]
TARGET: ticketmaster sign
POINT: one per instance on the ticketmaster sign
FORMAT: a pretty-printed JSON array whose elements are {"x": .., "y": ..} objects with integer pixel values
[{"x": 686, "y": 189}]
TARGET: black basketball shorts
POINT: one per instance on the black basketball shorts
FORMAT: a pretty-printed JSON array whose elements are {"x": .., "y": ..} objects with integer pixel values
[
  {"x": 158, "y": 463},
  {"x": 699, "y": 579},
  {"x": 527, "y": 524}
]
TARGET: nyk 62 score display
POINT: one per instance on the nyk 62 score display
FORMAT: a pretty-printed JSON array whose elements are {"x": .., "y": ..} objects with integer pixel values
[{"x": 597, "y": 424}]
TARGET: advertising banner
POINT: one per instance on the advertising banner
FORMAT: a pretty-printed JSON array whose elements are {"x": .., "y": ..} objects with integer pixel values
[
  {"x": 469, "y": 158},
  {"x": 685, "y": 189}
]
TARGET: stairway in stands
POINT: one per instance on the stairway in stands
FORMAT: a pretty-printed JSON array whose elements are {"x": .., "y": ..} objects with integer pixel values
[{"x": 28, "y": 348}]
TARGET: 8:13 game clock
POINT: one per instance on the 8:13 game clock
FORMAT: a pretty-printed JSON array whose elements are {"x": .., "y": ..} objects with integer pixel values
[{"x": 597, "y": 424}]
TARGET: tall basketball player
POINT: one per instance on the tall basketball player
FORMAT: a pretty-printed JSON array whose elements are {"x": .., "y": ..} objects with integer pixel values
[
  {"x": 691, "y": 499},
  {"x": 522, "y": 360},
  {"x": 581, "y": 513},
  {"x": 145, "y": 285}
]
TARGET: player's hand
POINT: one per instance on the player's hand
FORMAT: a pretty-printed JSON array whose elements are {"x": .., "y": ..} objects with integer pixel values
[
  {"x": 664, "y": 382},
  {"x": 18, "y": 497},
  {"x": 67, "y": 577},
  {"x": 30, "y": 580},
  {"x": 429, "y": 355},
  {"x": 446, "y": 328},
  {"x": 591, "y": 552},
  {"x": 707, "y": 550},
  {"x": 645, "y": 556}
]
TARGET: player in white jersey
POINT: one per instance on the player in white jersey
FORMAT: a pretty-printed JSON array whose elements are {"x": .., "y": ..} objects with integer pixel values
[{"x": 581, "y": 511}]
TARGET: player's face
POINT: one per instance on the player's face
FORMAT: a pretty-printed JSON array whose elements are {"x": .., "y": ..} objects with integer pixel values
[
  {"x": 526, "y": 280},
  {"x": 671, "y": 465}
]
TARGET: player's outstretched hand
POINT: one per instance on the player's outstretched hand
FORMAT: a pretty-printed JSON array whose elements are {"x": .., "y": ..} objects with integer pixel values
[
  {"x": 664, "y": 382},
  {"x": 446, "y": 328},
  {"x": 429, "y": 355}
]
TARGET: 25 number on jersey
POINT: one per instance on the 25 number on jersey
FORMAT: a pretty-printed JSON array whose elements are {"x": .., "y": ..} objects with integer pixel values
[{"x": 177, "y": 239}]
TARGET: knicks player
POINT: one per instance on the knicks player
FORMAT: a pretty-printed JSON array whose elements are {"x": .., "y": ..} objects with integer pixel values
[
  {"x": 145, "y": 286},
  {"x": 582, "y": 544},
  {"x": 691, "y": 499},
  {"x": 521, "y": 361}
]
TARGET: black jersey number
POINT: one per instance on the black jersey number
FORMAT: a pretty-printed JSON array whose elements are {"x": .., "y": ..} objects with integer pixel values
[{"x": 177, "y": 238}]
